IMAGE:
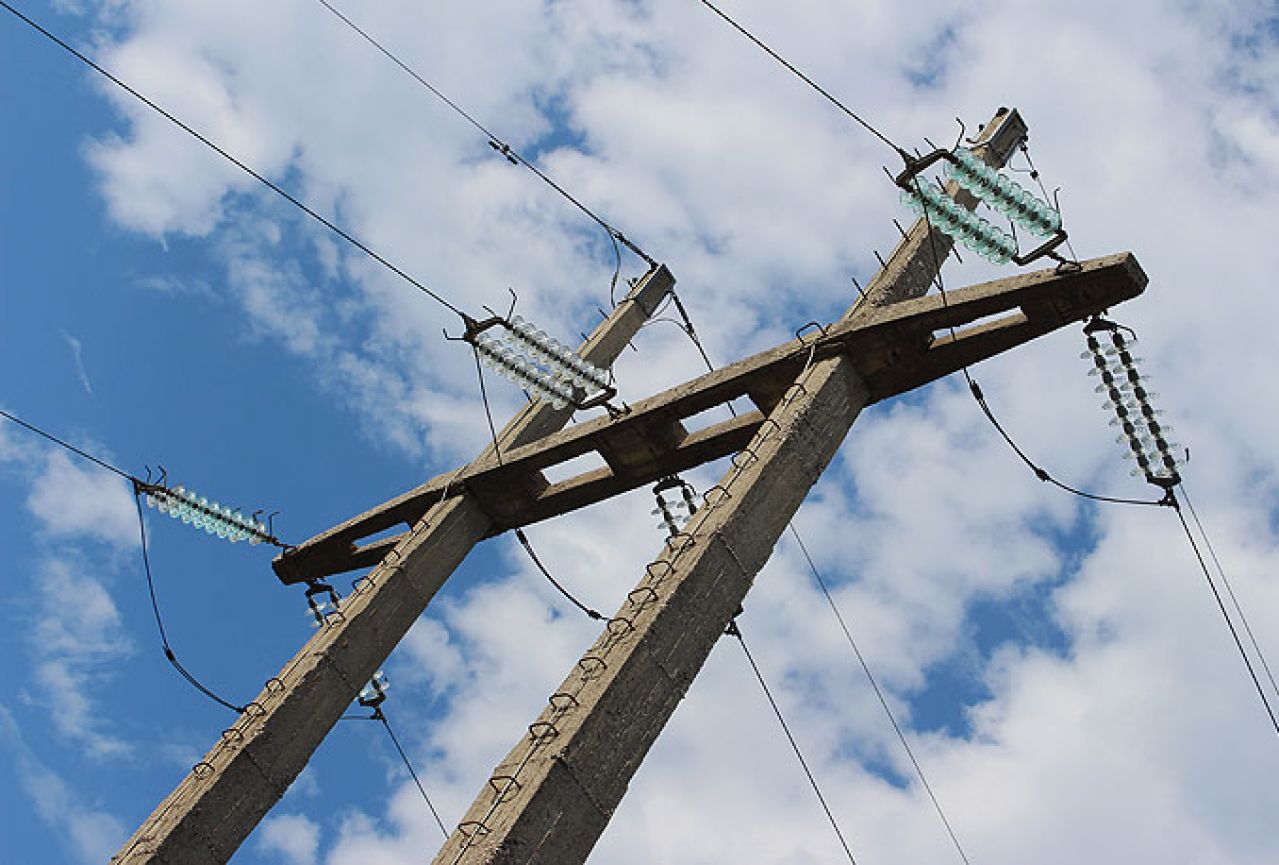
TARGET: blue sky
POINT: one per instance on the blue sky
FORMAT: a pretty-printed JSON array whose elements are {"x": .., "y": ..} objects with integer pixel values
[{"x": 1053, "y": 663}]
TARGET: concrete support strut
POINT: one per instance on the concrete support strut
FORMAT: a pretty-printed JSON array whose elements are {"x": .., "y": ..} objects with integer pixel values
[{"x": 218, "y": 804}]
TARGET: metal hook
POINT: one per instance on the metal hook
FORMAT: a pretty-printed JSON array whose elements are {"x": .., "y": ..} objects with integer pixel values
[
  {"x": 963, "y": 131},
  {"x": 515, "y": 298}
]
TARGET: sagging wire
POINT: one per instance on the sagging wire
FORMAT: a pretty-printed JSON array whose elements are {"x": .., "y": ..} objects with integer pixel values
[
  {"x": 372, "y": 696},
  {"x": 980, "y": 397},
  {"x": 234, "y": 160},
  {"x": 879, "y": 694},
  {"x": 519, "y": 532},
  {"x": 590, "y": 612},
  {"x": 504, "y": 149},
  {"x": 169, "y": 654},
  {"x": 210, "y": 516},
  {"x": 734, "y": 630}
]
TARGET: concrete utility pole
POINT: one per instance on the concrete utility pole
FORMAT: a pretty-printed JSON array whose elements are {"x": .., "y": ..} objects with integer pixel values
[{"x": 551, "y": 798}]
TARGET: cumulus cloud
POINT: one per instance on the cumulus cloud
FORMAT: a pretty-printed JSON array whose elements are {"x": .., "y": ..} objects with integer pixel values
[
  {"x": 72, "y": 500},
  {"x": 294, "y": 837},
  {"x": 89, "y": 832},
  {"x": 1135, "y": 738}
]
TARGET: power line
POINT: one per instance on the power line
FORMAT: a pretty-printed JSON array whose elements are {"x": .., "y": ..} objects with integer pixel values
[
  {"x": 809, "y": 81},
  {"x": 1234, "y": 633},
  {"x": 1221, "y": 572},
  {"x": 70, "y": 447},
  {"x": 735, "y": 631},
  {"x": 901, "y": 737},
  {"x": 278, "y": 190},
  {"x": 528, "y": 548},
  {"x": 512, "y": 155},
  {"x": 159, "y": 621},
  {"x": 379, "y": 715}
]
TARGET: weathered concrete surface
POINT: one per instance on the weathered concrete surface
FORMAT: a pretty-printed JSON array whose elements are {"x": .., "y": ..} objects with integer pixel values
[{"x": 218, "y": 804}]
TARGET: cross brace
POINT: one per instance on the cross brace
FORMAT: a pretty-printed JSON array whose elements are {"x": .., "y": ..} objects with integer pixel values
[{"x": 894, "y": 349}]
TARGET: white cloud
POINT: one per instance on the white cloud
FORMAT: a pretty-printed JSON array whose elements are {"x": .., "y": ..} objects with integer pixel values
[
  {"x": 77, "y": 358},
  {"x": 1140, "y": 740},
  {"x": 74, "y": 501},
  {"x": 90, "y": 833},
  {"x": 76, "y": 638},
  {"x": 293, "y": 836}
]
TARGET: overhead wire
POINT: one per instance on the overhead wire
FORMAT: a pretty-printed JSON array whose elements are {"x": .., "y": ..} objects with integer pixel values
[
  {"x": 1221, "y": 605},
  {"x": 1168, "y": 500},
  {"x": 169, "y": 654},
  {"x": 807, "y": 80},
  {"x": 870, "y": 677},
  {"x": 137, "y": 486},
  {"x": 734, "y": 630},
  {"x": 519, "y": 532},
  {"x": 234, "y": 160},
  {"x": 68, "y": 446},
  {"x": 503, "y": 148},
  {"x": 1225, "y": 581},
  {"x": 380, "y": 716}
]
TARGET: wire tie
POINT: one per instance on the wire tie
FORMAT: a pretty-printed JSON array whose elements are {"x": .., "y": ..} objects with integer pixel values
[
  {"x": 752, "y": 458},
  {"x": 767, "y": 422},
  {"x": 512, "y": 787},
  {"x": 649, "y": 592},
  {"x": 563, "y": 701},
  {"x": 363, "y": 584},
  {"x": 723, "y": 495},
  {"x": 203, "y": 770},
  {"x": 275, "y": 686},
  {"x": 542, "y": 730},
  {"x": 649, "y": 568},
  {"x": 799, "y": 334},
  {"x": 592, "y": 665},
  {"x": 232, "y": 734},
  {"x": 686, "y": 542},
  {"x": 791, "y": 395},
  {"x": 254, "y": 709},
  {"x": 625, "y": 626},
  {"x": 473, "y": 828}
]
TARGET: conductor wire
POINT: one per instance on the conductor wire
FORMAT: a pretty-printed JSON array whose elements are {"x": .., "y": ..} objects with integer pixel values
[
  {"x": 735, "y": 631},
  {"x": 1234, "y": 632},
  {"x": 809, "y": 81},
  {"x": 503, "y": 148},
  {"x": 528, "y": 548},
  {"x": 269, "y": 184},
  {"x": 1221, "y": 573},
  {"x": 892, "y": 719},
  {"x": 66, "y": 445},
  {"x": 159, "y": 621}
]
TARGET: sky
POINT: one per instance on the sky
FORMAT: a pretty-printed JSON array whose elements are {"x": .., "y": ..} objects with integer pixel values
[{"x": 1059, "y": 666}]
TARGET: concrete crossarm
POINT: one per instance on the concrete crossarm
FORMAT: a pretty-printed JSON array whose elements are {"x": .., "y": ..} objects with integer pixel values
[{"x": 894, "y": 348}]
